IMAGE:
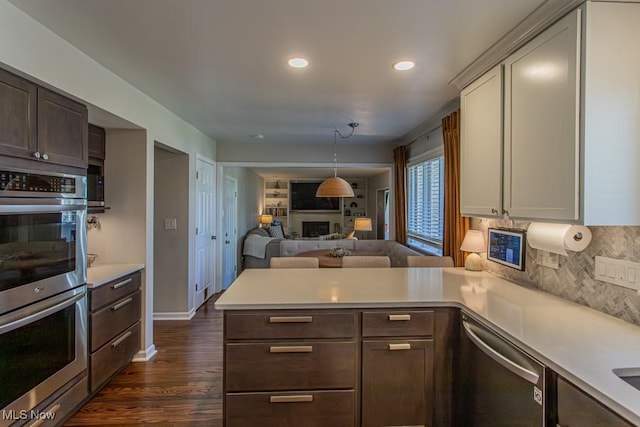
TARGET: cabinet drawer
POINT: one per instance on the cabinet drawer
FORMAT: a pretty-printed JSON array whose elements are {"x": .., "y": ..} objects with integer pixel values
[
  {"x": 290, "y": 366},
  {"x": 277, "y": 325},
  {"x": 62, "y": 407},
  {"x": 117, "y": 353},
  {"x": 113, "y": 319},
  {"x": 397, "y": 323},
  {"x": 112, "y": 291},
  {"x": 305, "y": 408}
]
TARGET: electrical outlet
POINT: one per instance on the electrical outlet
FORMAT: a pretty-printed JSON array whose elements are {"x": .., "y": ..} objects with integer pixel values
[
  {"x": 617, "y": 271},
  {"x": 170, "y": 224},
  {"x": 548, "y": 259}
]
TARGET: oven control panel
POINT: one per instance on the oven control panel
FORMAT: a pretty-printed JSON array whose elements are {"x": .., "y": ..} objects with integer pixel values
[{"x": 36, "y": 183}]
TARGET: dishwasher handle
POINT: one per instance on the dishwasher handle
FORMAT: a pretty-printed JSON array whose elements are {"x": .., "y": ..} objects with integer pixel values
[{"x": 502, "y": 360}]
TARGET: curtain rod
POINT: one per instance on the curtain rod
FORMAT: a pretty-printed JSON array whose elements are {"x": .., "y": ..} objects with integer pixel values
[{"x": 425, "y": 134}]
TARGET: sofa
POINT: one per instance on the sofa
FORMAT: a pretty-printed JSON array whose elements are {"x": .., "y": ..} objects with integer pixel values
[
  {"x": 272, "y": 246},
  {"x": 272, "y": 249},
  {"x": 396, "y": 252}
]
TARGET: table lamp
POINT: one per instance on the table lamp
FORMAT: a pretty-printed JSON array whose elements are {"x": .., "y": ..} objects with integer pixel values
[
  {"x": 265, "y": 219},
  {"x": 473, "y": 242},
  {"x": 362, "y": 224}
]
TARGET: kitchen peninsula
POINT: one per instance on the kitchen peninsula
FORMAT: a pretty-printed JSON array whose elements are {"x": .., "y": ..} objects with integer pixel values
[{"x": 272, "y": 316}]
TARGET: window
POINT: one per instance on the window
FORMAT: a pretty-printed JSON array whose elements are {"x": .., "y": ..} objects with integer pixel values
[{"x": 425, "y": 198}]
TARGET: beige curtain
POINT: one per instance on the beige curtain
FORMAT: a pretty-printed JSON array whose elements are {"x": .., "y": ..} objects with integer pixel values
[
  {"x": 400, "y": 192},
  {"x": 455, "y": 226}
]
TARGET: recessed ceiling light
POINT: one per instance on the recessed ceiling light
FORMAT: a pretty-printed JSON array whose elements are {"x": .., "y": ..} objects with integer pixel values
[
  {"x": 298, "y": 63},
  {"x": 403, "y": 65}
]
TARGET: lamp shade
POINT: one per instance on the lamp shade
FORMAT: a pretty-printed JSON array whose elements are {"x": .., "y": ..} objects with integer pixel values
[
  {"x": 334, "y": 187},
  {"x": 474, "y": 242},
  {"x": 362, "y": 224},
  {"x": 266, "y": 219}
]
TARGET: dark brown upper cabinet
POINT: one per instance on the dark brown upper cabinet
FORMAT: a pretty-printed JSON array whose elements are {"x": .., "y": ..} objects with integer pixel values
[
  {"x": 96, "y": 142},
  {"x": 41, "y": 125},
  {"x": 62, "y": 130},
  {"x": 18, "y": 113}
]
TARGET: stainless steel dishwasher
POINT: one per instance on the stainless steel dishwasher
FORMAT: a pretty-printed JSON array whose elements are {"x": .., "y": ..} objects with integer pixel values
[{"x": 500, "y": 384}]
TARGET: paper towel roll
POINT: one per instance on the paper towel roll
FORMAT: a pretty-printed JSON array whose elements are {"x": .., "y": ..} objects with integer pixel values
[{"x": 557, "y": 238}]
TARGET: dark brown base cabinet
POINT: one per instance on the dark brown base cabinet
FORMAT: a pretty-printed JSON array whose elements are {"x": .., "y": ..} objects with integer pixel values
[
  {"x": 114, "y": 324},
  {"x": 397, "y": 383},
  {"x": 338, "y": 367},
  {"x": 575, "y": 408}
]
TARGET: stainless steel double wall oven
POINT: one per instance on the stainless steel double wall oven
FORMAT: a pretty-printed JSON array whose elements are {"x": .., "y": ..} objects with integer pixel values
[{"x": 43, "y": 316}]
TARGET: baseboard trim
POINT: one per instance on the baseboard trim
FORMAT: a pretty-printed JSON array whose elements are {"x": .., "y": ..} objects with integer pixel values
[
  {"x": 145, "y": 355},
  {"x": 175, "y": 315}
]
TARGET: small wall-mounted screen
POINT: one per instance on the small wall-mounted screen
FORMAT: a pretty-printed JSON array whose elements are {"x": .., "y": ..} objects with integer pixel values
[{"x": 507, "y": 247}]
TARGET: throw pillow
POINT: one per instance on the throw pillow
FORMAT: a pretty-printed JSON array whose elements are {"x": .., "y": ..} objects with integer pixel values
[{"x": 276, "y": 232}]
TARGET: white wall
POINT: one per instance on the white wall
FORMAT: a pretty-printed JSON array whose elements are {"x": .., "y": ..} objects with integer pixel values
[
  {"x": 304, "y": 153},
  {"x": 171, "y": 247},
  {"x": 32, "y": 50}
]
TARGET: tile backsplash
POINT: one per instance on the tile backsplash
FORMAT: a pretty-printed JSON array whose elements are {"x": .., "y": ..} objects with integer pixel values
[{"x": 574, "y": 279}]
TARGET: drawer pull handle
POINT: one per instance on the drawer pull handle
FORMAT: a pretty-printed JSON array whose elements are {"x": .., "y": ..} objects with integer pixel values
[
  {"x": 405, "y": 346},
  {"x": 291, "y": 399},
  {"x": 49, "y": 415},
  {"x": 399, "y": 317},
  {"x": 291, "y": 319},
  {"x": 121, "y": 339},
  {"x": 291, "y": 349},
  {"x": 121, "y": 304},
  {"x": 121, "y": 284}
]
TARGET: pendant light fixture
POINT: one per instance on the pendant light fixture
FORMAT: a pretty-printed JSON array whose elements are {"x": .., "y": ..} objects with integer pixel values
[{"x": 336, "y": 186}]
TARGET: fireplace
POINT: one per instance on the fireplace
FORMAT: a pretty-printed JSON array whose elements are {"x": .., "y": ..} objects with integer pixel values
[{"x": 315, "y": 228}]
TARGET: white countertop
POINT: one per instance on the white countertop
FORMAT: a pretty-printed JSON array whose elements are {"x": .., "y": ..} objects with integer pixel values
[
  {"x": 577, "y": 342},
  {"x": 99, "y": 274}
]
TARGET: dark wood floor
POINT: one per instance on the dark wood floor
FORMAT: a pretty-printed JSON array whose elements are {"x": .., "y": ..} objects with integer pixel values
[{"x": 180, "y": 386}]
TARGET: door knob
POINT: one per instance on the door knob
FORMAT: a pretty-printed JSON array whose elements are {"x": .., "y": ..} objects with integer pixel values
[
  {"x": 36, "y": 155},
  {"x": 227, "y": 242},
  {"x": 213, "y": 237},
  {"x": 45, "y": 156}
]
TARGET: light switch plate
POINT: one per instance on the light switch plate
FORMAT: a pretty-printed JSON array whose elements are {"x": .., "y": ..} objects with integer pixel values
[
  {"x": 617, "y": 271},
  {"x": 170, "y": 224}
]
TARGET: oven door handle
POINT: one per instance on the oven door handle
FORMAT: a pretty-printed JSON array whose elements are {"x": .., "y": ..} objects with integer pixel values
[
  {"x": 44, "y": 312},
  {"x": 502, "y": 360},
  {"x": 17, "y": 206}
]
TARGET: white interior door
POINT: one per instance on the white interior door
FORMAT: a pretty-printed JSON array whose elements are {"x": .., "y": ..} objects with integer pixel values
[
  {"x": 205, "y": 230},
  {"x": 229, "y": 227}
]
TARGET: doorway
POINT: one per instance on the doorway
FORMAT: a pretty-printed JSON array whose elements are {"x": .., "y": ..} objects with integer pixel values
[
  {"x": 230, "y": 231},
  {"x": 382, "y": 214}
]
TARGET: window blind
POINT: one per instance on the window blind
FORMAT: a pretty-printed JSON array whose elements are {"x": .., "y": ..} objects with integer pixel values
[{"x": 426, "y": 201}]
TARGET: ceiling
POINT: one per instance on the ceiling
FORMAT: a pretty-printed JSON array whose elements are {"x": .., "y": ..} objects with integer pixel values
[{"x": 221, "y": 65}]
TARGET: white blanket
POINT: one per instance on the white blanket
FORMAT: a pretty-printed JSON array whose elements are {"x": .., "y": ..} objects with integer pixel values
[{"x": 256, "y": 246}]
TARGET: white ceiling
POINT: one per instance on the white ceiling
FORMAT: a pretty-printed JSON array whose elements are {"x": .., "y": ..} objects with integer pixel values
[{"x": 221, "y": 64}]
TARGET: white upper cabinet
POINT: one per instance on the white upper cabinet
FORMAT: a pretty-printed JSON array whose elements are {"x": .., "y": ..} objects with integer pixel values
[
  {"x": 611, "y": 181},
  {"x": 481, "y": 146},
  {"x": 569, "y": 110},
  {"x": 541, "y": 119}
]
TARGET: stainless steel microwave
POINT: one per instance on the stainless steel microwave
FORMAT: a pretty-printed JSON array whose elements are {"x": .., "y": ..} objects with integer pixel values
[{"x": 95, "y": 186}]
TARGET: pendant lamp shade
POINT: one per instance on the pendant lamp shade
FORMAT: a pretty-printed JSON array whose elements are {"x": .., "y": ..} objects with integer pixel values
[{"x": 334, "y": 187}]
